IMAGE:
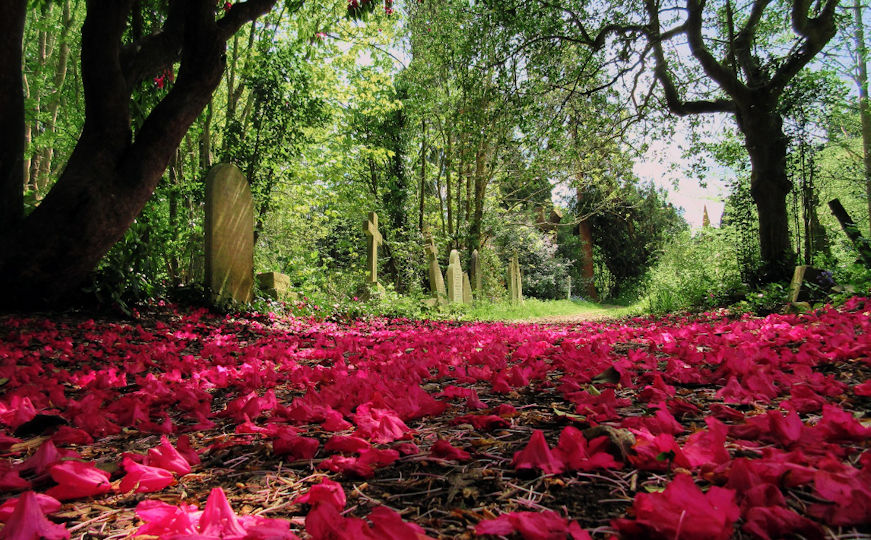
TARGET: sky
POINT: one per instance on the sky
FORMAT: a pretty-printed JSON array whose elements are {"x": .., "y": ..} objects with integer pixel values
[{"x": 684, "y": 192}]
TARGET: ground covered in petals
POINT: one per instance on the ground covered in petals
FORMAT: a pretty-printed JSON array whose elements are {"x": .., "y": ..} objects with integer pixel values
[{"x": 186, "y": 424}]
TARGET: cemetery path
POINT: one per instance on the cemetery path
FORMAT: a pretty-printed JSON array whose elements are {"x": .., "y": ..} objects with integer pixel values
[{"x": 607, "y": 312}]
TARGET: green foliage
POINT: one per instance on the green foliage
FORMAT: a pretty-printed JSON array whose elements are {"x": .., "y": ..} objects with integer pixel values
[
  {"x": 544, "y": 272},
  {"x": 695, "y": 273},
  {"x": 769, "y": 298}
]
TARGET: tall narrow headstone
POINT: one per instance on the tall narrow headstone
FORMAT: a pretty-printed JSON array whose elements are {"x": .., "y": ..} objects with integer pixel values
[
  {"x": 467, "y": 289},
  {"x": 374, "y": 239},
  {"x": 436, "y": 281},
  {"x": 476, "y": 274},
  {"x": 229, "y": 235},
  {"x": 515, "y": 288},
  {"x": 455, "y": 278}
]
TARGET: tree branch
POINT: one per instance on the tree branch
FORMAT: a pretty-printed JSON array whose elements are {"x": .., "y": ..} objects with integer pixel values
[
  {"x": 726, "y": 79},
  {"x": 149, "y": 55},
  {"x": 672, "y": 97},
  {"x": 107, "y": 94},
  {"x": 817, "y": 31}
]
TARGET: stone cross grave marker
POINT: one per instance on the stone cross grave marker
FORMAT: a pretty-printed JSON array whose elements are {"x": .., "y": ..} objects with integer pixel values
[
  {"x": 229, "y": 235},
  {"x": 455, "y": 278},
  {"x": 476, "y": 274},
  {"x": 436, "y": 281},
  {"x": 515, "y": 288},
  {"x": 370, "y": 227}
]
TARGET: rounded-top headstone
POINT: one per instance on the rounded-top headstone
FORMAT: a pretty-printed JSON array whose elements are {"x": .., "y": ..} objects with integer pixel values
[{"x": 229, "y": 235}]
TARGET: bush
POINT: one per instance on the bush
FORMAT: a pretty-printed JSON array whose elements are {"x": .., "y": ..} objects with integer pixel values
[{"x": 695, "y": 273}]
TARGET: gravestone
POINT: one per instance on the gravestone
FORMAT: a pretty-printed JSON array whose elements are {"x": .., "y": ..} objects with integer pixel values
[
  {"x": 436, "y": 281},
  {"x": 515, "y": 287},
  {"x": 275, "y": 285},
  {"x": 455, "y": 278},
  {"x": 467, "y": 289},
  {"x": 374, "y": 239},
  {"x": 476, "y": 274},
  {"x": 809, "y": 283},
  {"x": 229, "y": 235}
]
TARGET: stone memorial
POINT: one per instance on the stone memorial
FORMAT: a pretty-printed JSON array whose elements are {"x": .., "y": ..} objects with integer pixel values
[
  {"x": 229, "y": 235},
  {"x": 455, "y": 278},
  {"x": 809, "y": 283},
  {"x": 275, "y": 285},
  {"x": 467, "y": 289},
  {"x": 476, "y": 274},
  {"x": 370, "y": 227},
  {"x": 515, "y": 287},
  {"x": 436, "y": 281}
]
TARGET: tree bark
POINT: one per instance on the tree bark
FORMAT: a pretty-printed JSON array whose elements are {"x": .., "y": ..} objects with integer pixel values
[
  {"x": 767, "y": 146},
  {"x": 110, "y": 175},
  {"x": 864, "y": 110},
  {"x": 12, "y": 113}
]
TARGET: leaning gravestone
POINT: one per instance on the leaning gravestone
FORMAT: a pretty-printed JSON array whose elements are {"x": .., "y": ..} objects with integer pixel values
[
  {"x": 476, "y": 274},
  {"x": 436, "y": 281},
  {"x": 455, "y": 278},
  {"x": 809, "y": 283},
  {"x": 467, "y": 289},
  {"x": 276, "y": 285},
  {"x": 229, "y": 235},
  {"x": 515, "y": 288}
]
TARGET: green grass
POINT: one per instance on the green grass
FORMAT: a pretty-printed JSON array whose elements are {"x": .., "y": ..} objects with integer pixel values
[{"x": 532, "y": 309}]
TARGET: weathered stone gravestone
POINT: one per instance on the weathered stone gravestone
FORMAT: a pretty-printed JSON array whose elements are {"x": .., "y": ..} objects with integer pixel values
[
  {"x": 370, "y": 227},
  {"x": 455, "y": 278},
  {"x": 275, "y": 285},
  {"x": 436, "y": 281},
  {"x": 229, "y": 235},
  {"x": 515, "y": 287},
  {"x": 476, "y": 274},
  {"x": 467, "y": 289},
  {"x": 809, "y": 283}
]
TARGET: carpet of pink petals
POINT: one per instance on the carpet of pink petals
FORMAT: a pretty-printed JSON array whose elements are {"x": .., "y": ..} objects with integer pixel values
[{"x": 744, "y": 428}]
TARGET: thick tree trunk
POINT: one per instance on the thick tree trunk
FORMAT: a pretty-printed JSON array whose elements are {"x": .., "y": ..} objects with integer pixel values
[
  {"x": 864, "y": 109},
  {"x": 769, "y": 186},
  {"x": 12, "y": 113},
  {"x": 585, "y": 231},
  {"x": 109, "y": 177}
]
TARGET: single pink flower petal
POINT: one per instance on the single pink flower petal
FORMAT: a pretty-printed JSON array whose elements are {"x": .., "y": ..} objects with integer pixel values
[
  {"x": 77, "y": 479},
  {"x": 218, "y": 518},
  {"x": 28, "y": 522}
]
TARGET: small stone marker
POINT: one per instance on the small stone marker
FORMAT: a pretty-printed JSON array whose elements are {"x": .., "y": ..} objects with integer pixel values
[
  {"x": 515, "y": 287},
  {"x": 476, "y": 274},
  {"x": 370, "y": 227},
  {"x": 229, "y": 235},
  {"x": 467, "y": 289},
  {"x": 436, "y": 281},
  {"x": 275, "y": 285},
  {"x": 809, "y": 283},
  {"x": 455, "y": 278}
]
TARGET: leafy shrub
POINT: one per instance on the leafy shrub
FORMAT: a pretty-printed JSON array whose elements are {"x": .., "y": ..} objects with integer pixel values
[{"x": 695, "y": 273}]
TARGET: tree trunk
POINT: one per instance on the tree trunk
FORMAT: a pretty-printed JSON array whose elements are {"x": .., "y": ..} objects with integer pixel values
[
  {"x": 769, "y": 186},
  {"x": 864, "y": 110},
  {"x": 12, "y": 113},
  {"x": 110, "y": 176}
]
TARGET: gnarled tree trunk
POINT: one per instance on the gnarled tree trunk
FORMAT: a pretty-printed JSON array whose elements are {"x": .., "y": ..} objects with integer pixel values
[
  {"x": 767, "y": 146},
  {"x": 111, "y": 175}
]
